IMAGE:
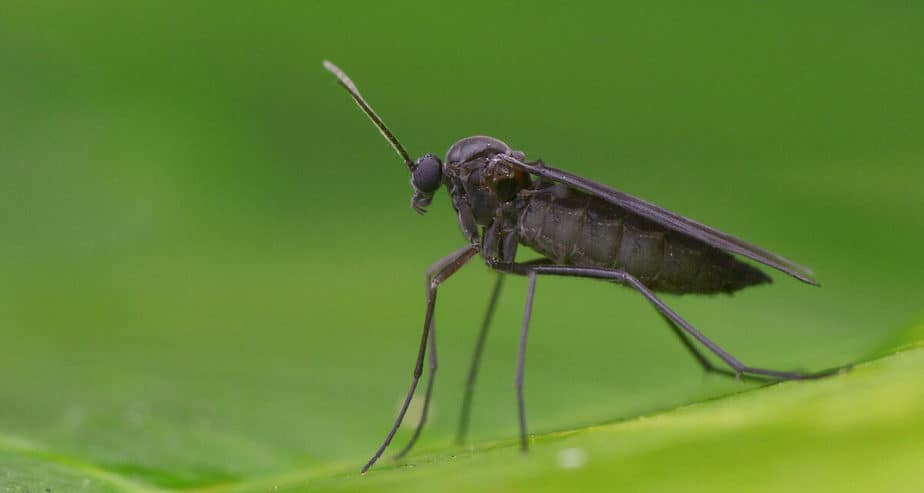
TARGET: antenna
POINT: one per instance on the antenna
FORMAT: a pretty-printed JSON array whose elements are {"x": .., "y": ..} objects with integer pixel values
[{"x": 363, "y": 105}]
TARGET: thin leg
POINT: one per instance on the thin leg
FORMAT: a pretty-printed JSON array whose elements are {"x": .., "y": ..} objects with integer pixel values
[
  {"x": 476, "y": 361},
  {"x": 629, "y": 280},
  {"x": 427, "y": 395},
  {"x": 521, "y": 360},
  {"x": 698, "y": 356},
  {"x": 436, "y": 274},
  {"x": 702, "y": 359},
  {"x": 738, "y": 366}
]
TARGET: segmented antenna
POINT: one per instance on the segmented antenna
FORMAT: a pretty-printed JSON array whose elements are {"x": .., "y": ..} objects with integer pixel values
[{"x": 363, "y": 105}]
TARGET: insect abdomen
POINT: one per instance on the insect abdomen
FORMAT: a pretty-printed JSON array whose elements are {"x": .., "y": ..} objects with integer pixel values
[{"x": 573, "y": 228}]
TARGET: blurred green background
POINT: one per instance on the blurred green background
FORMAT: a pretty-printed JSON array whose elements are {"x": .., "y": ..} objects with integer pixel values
[{"x": 211, "y": 272}]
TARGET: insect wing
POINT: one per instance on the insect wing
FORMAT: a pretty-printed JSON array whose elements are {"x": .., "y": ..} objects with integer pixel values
[{"x": 666, "y": 218}]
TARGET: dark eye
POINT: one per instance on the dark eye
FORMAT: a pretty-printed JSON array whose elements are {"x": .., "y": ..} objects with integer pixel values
[{"x": 427, "y": 174}]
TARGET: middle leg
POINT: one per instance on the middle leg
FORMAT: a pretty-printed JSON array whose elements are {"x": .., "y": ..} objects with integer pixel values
[{"x": 476, "y": 361}]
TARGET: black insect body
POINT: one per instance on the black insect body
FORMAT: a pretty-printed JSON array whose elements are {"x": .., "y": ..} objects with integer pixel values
[
  {"x": 583, "y": 229},
  {"x": 571, "y": 227}
]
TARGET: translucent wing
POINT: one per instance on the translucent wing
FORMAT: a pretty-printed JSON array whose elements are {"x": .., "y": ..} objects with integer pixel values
[{"x": 668, "y": 219}]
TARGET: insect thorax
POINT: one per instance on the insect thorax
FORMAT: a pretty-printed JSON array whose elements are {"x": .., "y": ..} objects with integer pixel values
[{"x": 477, "y": 182}]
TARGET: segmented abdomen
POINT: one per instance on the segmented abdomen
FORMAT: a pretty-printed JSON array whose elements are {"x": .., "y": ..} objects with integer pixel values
[{"x": 574, "y": 228}]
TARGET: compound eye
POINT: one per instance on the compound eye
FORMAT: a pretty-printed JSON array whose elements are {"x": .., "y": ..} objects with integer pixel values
[{"x": 427, "y": 174}]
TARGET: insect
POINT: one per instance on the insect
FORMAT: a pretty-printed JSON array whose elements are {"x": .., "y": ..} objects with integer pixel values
[{"x": 584, "y": 229}]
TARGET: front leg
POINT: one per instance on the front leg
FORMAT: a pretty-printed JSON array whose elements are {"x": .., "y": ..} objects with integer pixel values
[
  {"x": 465, "y": 216},
  {"x": 501, "y": 238},
  {"x": 436, "y": 274}
]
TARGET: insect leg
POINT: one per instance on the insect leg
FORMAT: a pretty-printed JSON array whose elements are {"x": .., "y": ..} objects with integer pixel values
[
  {"x": 701, "y": 358},
  {"x": 521, "y": 359},
  {"x": 739, "y": 367},
  {"x": 630, "y": 280},
  {"x": 436, "y": 274},
  {"x": 698, "y": 356},
  {"x": 476, "y": 360},
  {"x": 427, "y": 394}
]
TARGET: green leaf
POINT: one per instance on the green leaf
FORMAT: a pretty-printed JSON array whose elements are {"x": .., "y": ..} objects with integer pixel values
[
  {"x": 859, "y": 431},
  {"x": 210, "y": 279}
]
